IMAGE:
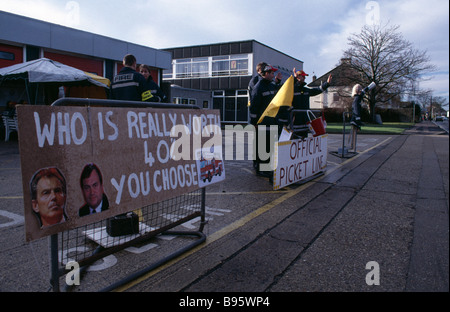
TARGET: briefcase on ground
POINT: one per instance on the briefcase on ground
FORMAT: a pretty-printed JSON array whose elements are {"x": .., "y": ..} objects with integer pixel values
[{"x": 123, "y": 224}]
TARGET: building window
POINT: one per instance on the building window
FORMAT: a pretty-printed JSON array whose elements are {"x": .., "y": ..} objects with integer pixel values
[
  {"x": 179, "y": 100},
  {"x": 191, "y": 68},
  {"x": 232, "y": 105},
  {"x": 220, "y": 66},
  {"x": 335, "y": 97},
  {"x": 7, "y": 56},
  {"x": 167, "y": 74},
  {"x": 230, "y": 65},
  {"x": 213, "y": 66}
]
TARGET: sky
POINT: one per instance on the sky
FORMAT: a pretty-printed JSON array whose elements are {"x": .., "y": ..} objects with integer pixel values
[{"x": 313, "y": 31}]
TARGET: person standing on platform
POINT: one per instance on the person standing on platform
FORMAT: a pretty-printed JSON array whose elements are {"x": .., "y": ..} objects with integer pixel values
[
  {"x": 302, "y": 93},
  {"x": 261, "y": 96}
]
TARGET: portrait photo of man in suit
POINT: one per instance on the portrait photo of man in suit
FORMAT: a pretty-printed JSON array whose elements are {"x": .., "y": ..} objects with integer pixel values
[
  {"x": 48, "y": 196},
  {"x": 91, "y": 183}
]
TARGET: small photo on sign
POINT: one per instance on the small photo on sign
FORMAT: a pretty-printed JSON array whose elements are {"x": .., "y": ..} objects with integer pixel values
[
  {"x": 48, "y": 196},
  {"x": 91, "y": 183},
  {"x": 210, "y": 166}
]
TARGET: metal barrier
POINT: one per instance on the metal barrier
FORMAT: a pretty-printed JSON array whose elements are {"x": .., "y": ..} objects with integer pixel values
[
  {"x": 344, "y": 151},
  {"x": 296, "y": 129},
  {"x": 89, "y": 243}
]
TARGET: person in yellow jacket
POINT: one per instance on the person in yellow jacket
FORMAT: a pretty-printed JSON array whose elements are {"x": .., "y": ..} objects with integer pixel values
[{"x": 154, "y": 94}]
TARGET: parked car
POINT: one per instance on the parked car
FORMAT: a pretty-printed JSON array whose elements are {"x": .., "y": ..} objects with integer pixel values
[{"x": 440, "y": 118}]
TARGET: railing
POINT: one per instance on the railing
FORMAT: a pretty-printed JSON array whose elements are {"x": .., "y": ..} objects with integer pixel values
[
  {"x": 344, "y": 151},
  {"x": 298, "y": 129}
]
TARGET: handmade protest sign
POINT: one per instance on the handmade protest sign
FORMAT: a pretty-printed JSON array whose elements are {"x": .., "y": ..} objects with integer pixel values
[{"x": 85, "y": 164}]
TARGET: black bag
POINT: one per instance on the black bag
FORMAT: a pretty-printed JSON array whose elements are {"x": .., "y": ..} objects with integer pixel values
[{"x": 123, "y": 224}]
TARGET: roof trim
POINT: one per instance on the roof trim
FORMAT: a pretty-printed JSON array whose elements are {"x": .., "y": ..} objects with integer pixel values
[
  {"x": 30, "y": 31},
  {"x": 231, "y": 42}
]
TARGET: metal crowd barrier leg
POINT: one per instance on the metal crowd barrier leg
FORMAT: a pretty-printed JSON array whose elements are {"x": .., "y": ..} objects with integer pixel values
[
  {"x": 343, "y": 152},
  {"x": 54, "y": 269},
  {"x": 201, "y": 239}
]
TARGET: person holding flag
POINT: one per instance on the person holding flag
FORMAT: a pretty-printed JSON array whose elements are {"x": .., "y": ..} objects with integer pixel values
[
  {"x": 277, "y": 112},
  {"x": 263, "y": 92},
  {"x": 255, "y": 79},
  {"x": 260, "y": 98}
]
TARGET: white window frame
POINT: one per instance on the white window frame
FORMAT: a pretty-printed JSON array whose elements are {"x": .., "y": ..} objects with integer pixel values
[
  {"x": 179, "y": 100},
  {"x": 237, "y": 94},
  {"x": 209, "y": 73}
]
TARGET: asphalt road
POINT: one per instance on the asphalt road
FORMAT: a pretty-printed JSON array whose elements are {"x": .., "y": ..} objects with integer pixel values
[{"x": 262, "y": 240}]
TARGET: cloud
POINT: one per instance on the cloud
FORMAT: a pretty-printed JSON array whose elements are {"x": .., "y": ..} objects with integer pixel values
[
  {"x": 426, "y": 26},
  {"x": 438, "y": 82},
  {"x": 427, "y": 30},
  {"x": 62, "y": 13},
  {"x": 330, "y": 42},
  {"x": 178, "y": 23},
  {"x": 314, "y": 31}
]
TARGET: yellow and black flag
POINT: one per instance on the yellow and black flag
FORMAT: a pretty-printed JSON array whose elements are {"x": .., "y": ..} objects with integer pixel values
[{"x": 283, "y": 97}]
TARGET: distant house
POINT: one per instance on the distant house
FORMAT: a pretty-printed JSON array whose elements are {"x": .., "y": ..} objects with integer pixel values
[{"x": 338, "y": 95}]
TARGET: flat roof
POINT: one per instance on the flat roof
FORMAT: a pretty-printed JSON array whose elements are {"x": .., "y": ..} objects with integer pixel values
[
  {"x": 24, "y": 30},
  {"x": 231, "y": 42}
]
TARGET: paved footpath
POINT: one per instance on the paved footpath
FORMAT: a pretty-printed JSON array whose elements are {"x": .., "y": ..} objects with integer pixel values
[{"x": 378, "y": 223}]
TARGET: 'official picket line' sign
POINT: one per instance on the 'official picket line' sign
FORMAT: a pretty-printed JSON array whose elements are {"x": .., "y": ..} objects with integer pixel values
[
  {"x": 145, "y": 155},
  {"x": 297, "y": 160}
]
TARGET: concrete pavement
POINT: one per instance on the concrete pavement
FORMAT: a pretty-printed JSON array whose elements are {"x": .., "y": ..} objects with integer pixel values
[
  {"x": 375, "y": 222},
  {"x": 378, "y": 223}
]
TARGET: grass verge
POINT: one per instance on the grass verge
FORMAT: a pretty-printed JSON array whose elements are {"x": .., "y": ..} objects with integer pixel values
[{"x": 385, "y": 128}]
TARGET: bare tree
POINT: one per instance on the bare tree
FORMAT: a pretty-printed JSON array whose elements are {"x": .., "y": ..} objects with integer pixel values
[{"x": 381, "y": 54}]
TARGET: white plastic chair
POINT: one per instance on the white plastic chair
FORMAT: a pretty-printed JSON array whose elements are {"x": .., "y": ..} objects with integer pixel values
[{"x": 10, "y": 125}]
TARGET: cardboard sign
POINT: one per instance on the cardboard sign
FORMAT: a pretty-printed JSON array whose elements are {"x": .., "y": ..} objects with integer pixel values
[
  {"x": 297, "y": 160},
  {"x": 116, "y": 159}
]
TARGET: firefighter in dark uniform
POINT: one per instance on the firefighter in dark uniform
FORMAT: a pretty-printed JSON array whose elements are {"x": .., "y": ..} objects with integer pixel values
[
  {"x": 129, "y": 85},
  {"x": 157, "y": 95},
  {"x": 261, "y": 96},
  {"x": 302, "y": 93},
  {"x": 255, "y": 79},
  {"x": 262, "y": 93}
]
